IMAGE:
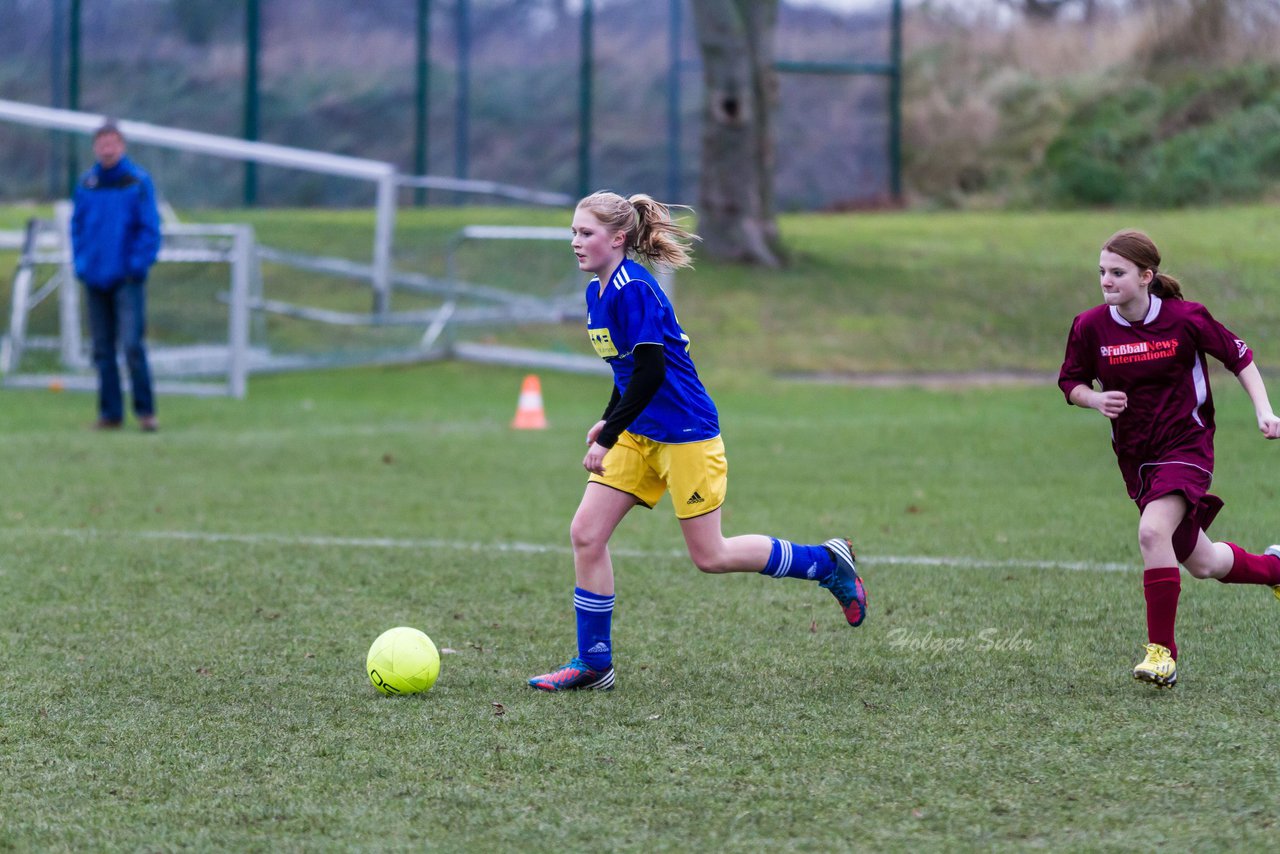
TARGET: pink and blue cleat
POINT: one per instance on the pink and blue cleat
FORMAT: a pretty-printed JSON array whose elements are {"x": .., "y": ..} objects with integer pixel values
[{"x": 844, "y": 583}]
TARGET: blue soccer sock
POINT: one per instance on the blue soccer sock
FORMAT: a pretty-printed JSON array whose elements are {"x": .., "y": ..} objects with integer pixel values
[
  {"x": 788, "y": 560},
  {"x": 595, "y": 619}
]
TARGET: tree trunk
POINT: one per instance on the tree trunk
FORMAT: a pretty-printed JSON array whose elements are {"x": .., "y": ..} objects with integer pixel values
[
  {"x": 1045, "y": 11},
  {"x": 736, "y": 219}
]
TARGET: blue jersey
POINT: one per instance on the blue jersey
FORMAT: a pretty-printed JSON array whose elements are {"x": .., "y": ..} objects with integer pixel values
[{"x": 631, "y": 310}]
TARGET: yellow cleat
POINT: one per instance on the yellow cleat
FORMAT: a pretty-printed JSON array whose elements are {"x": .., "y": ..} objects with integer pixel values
[
  {"x": 1158, "y": 667},
  {"x": 1274, "y": 551}
]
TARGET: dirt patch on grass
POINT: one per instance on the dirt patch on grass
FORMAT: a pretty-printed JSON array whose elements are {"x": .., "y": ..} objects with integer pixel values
[{"x": 932, "y": 379}]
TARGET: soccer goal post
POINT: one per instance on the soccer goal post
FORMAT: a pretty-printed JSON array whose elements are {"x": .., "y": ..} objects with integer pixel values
[
  {"x": 383, "y": 175},
  {"x": 198, "y": 305},
  {"x": 506, "y": 296}
]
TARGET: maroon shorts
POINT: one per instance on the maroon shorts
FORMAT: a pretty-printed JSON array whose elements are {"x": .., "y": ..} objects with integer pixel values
[{"x": 1150, "y": 481}]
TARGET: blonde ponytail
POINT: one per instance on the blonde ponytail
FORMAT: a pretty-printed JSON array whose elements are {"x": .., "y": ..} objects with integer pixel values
[
  {"x": 658, "y": 237},
  {"x": 652, "y": 234}
]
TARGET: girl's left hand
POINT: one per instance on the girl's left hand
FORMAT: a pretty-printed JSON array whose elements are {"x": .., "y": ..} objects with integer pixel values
[{"x": 1269, "y": 424}]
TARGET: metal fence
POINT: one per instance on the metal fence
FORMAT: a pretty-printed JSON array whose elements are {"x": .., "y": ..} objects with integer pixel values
[{"x": 607, "y": 94}]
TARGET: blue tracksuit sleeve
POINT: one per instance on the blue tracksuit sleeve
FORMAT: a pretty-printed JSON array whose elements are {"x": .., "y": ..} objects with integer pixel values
[
  {"x": 145, "y": 245},
  {"x": 78, "y": 236}
]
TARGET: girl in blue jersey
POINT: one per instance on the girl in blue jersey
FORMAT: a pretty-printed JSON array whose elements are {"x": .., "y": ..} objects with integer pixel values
[{"x": 659, "y": 433}]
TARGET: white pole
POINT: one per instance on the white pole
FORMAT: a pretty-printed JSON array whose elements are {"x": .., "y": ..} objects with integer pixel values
[
  {"x": 11, "y": 345},
  {"x": 73, "y": 357},
  {"x": 238, "y": 320},
  {"x": 204, "y": 143},
  {"x": 383, "y": 234}
]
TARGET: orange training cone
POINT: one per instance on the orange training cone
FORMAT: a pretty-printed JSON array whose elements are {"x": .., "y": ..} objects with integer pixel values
[{"x": 529, "y": 412}]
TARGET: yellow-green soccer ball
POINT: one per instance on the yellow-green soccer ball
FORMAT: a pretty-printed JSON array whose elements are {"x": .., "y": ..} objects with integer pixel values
[{"x": 402, "y": 660}]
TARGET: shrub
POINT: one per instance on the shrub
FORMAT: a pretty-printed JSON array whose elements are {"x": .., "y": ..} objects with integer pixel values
[{"x": 1200, "y": 140}]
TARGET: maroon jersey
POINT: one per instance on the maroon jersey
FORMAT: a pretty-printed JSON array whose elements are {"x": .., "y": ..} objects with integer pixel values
[{"x": 1159, "y": 363}]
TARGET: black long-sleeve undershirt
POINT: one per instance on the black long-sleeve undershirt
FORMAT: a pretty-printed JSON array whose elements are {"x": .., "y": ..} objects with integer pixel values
[{"x": 624, "y": 407}]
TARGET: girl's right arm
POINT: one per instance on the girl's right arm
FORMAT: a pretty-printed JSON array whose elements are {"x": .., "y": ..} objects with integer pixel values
[
  {"x": 646, "y": 379},
  {"x": 1109, "y": 403},
  {"x": 1078, "y": 372}
]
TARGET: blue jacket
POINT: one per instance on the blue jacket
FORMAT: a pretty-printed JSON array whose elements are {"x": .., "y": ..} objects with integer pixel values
[{"x": 115, "y": 228}]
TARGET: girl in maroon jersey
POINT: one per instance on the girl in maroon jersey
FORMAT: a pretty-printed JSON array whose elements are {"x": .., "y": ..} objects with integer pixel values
[{"x": 1146, "y": 347}]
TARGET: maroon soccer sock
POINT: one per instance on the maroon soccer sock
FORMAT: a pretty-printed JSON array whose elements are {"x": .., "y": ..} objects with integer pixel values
[
  {"x": 1161, "y": 586},
  {"x": 1252, "y": 569}
]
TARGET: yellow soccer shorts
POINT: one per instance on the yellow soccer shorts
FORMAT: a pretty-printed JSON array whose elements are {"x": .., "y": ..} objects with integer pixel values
[{"x": 696, "y": 474}]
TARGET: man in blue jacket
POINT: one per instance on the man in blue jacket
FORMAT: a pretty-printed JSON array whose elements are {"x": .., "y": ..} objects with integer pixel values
[{"x": 115, "y": 237}]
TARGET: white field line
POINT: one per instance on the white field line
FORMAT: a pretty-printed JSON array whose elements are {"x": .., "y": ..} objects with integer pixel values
[
  {"x": 958, "y": 562},
  {"x": 250, "y": 437}
]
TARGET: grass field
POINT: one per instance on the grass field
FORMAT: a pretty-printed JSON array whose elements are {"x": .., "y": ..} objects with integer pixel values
[
  {"x": 900, "y": 292},
  {"x": 184, "y": 616}
]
